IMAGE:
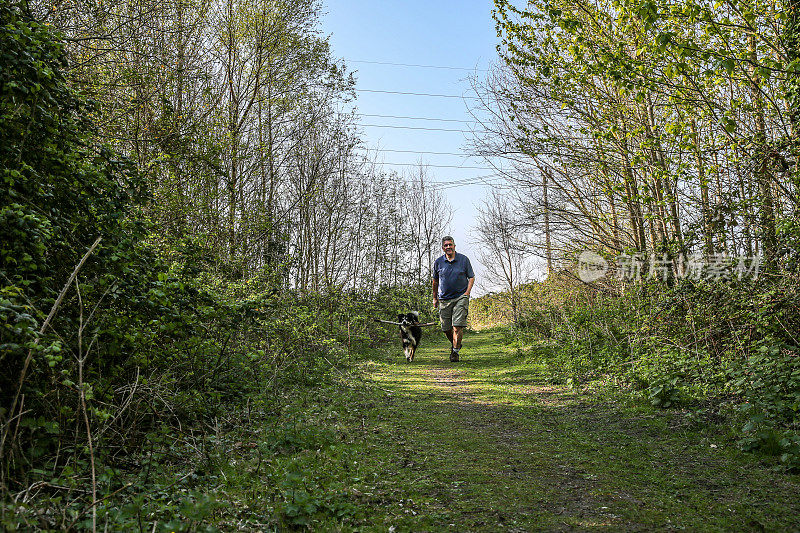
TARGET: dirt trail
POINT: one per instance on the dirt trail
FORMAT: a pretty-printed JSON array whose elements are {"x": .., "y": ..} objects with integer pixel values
[
  {"x": 512, "y": 437},
  {"x": 503, "y": 449}
]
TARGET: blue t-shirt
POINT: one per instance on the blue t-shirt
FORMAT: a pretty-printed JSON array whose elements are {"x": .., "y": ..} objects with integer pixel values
[{"x": 453, "y": 275}]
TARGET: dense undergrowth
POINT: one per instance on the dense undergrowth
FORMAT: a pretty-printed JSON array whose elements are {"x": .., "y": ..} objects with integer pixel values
[
  {"x": 127, "y": 359},
  {"x": 721, "y": 349}
]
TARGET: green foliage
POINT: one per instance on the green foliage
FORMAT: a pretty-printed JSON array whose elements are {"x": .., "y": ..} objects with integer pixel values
[
  {"x": 59, "y": 193},
  {"x": 722, "y": 344},
  {"x": 770, "y": 382},
  {"x": 664, "y": 392},
  {"x": 157, "y": 347}
]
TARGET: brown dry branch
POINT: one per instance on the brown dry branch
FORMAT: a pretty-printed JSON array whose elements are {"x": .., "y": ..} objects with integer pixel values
[
  {"x": 82, "y": 356},
  {"x": 46, "y": 323}
]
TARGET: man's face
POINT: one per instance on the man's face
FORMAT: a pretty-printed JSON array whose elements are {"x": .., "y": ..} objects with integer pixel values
[{"x": 449, "y": 248}]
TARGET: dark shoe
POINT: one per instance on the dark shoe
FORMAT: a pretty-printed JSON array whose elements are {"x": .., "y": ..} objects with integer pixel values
[{"x": 453, "y": 356}]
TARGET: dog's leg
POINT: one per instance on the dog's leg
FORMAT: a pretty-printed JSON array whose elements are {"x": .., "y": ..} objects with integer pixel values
[{"x": 412, "y": 345}]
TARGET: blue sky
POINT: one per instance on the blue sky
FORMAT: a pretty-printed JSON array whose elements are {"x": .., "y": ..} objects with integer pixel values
[{"x": 456, "y": 37}]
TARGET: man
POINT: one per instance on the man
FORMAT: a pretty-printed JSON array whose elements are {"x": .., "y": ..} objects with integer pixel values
[{"x": 453, "y": 279}]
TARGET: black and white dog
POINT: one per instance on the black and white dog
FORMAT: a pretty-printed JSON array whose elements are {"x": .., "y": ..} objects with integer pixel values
[{"x": 410, "y": 333}]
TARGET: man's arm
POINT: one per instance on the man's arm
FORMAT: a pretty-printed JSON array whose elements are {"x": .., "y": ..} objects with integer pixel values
[
  {"x": 435, "y": 284},
  {"x": 470, "y": 277},
  {"x": 470, "y": 283}
]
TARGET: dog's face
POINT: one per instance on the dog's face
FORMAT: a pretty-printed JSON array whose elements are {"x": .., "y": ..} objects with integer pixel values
[{"x": 408, "y": 318}]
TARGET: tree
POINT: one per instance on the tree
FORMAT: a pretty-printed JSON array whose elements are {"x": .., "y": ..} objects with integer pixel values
[
  {"x": 504, "y": 252},
  {"x": 675, "y": 110},
  {"x": 426, "y": 214}
]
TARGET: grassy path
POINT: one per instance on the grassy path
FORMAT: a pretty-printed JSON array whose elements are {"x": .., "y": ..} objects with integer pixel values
[{"x": 487, "y": 444}]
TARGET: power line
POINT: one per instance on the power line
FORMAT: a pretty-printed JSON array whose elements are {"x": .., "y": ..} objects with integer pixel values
[
  {"x": 488, "y": 180},
  {"x": 414, "y": 65},
  {"x": 458, "y": 186},
  {"x": 419, "y": 94},
  {"x": 437, "y": 166},
  {"x": 468, "y": 180},
  {"x": 424, "y": 152},
  {"x": 418, "y": 118},
  {"x": 411, "y": 128}
]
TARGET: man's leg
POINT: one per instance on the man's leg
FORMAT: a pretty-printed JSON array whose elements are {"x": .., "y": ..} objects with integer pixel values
[
  {"x": 460, "y": 311},
  {"x": 455, "y": 337},
  {"x": 446, "y": 321},
  {"x": 449, "y": 335},
  {"x": 455, "y": 342}
]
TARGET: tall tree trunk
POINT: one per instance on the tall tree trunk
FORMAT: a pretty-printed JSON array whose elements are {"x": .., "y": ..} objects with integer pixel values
[
  {"x": 705, "y": 208},
  {"x": 233, "y": 121},
  {"x": 632, "y": 195},
  {"x": 548, "y": 246},
  {"x": 668, "y": 204},
  {"x": 763, "y": 174},
  {"x": 791, "y": 39}
]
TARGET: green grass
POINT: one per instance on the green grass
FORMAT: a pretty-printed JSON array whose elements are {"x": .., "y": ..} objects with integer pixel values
[{"x": 491, "y": 444}]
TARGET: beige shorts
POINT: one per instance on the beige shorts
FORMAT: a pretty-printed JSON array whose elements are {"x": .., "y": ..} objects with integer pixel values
[{"x": 453, "y": 312}]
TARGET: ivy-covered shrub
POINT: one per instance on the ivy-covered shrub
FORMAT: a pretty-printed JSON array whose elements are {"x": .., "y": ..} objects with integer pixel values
[{"x": 59, "y": 194}]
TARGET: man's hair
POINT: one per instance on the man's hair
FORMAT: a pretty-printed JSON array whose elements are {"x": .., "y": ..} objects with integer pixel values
[{"x": 448, "y": 238}]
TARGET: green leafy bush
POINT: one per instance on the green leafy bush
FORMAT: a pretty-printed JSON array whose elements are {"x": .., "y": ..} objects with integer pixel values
[{"x": 730, "y": 342}]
